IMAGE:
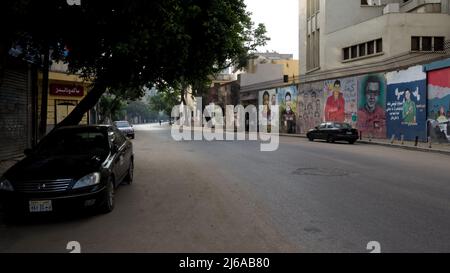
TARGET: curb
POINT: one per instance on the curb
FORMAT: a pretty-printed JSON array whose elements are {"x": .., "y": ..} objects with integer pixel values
[{"x": 396, "y": 146}]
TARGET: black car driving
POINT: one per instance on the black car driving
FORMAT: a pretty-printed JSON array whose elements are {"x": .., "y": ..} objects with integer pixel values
[
  {"x": 334, "y": 131},
  {"x": 72, "y": 167}
]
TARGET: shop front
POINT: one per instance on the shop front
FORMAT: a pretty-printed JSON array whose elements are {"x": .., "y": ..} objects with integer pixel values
[{"x": 64, "y": 94}]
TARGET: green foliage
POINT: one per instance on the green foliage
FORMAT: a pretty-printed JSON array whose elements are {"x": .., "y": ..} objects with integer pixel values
[
  {"x": 165, "y": 100},
  {"x": 111, "y": 108},
  {"x": 142, "y": 111},
  {"x": 126, "y": 45}
]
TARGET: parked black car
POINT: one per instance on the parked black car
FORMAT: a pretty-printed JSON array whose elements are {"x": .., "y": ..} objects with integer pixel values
[
  {"x": 334, "y": 131},
  {"x": 71, "y": 168},
  {"x": 126, "y": 128}
]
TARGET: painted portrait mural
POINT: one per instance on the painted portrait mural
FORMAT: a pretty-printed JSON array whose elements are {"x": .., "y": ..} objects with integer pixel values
[
  {"x": 439, "y": 104},
  {"x": 310, "y": 106},
  {"x": 287, "y": 99},
  {"x": 267, "y": 100},
  {"x": 341, "y": 100},
  {"x": 406, "y": 104},
  {"x": 371, "y": 119}
]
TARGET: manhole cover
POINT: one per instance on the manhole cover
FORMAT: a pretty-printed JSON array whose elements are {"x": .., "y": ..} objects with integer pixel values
[{"x": 321, "y": 172}]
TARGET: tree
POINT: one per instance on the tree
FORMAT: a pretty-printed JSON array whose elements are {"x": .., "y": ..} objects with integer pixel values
[
  {"x": 110, "y": 108},
  {"x": 165, "y": 100},
  {"x": 126, "y": 45}
]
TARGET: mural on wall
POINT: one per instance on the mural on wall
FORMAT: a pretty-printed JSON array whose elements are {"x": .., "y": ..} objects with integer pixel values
[
  {"x": 371, "y": 119},
  {"x": 310, "y": 106},
  {"x": 439, "y": 104},
  {"x": 287, "y": 99},
  {"x": 267, "y": 101},
  {"x": 406, "y": 104},
  {"x": 341, "y": 100}
]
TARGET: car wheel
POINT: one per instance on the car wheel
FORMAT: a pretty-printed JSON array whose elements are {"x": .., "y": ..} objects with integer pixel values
[
  {"x": 310, "y": 138},
  {"x": 130, "y": 175},
  {"x": 108, "y": 202},
  {"x": 352, "y": 142}
]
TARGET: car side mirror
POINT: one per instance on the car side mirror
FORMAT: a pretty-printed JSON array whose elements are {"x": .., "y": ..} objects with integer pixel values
[
  {"x": 28, "y": 152},
  {"x": 317, "y": 128}
]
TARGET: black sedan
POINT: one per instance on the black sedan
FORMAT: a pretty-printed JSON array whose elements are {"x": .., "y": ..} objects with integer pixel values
[
  {"x": 334, "y": 131},
  {"x": 71, "y": 168}
]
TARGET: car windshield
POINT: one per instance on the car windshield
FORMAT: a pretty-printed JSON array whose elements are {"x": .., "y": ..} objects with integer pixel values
[
  {"x": 343, "y": 126},
  {"x": 122, "y": 124},
  {"x": 84, "y": 141}
]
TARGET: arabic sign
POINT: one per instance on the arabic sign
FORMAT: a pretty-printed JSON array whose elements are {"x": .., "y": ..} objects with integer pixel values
[{"x": 66, "y": 90}]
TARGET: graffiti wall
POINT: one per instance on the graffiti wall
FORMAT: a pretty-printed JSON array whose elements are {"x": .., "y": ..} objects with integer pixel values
[
  {"x": 371, "y": 120},
  {"x": 267, "y": 100},
  {"x": 287, "y": 99},
  {"x": 341, "y": 100},
  {"x": 310, "y": 106},
  {"x": 439, "y": 104},
  {"x": 406, "y": 104}
]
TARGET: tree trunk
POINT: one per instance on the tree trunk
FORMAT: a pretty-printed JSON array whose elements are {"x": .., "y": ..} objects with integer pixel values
[{"x": 86, "y": 104}]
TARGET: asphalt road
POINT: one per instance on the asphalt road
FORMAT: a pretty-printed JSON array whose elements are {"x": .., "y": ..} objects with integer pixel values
[{"x": 230, "y": 197}]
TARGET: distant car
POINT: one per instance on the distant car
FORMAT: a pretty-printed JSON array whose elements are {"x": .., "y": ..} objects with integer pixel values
[
  {"x": 126, "y": 128},
  {"x": 334, "y": 131},
  {"x": 72, "y": 168}
]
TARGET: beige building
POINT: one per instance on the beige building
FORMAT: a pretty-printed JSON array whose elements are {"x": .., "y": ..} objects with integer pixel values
[
  {"x": 339, "y": 38},
  {"x": 64, "y": 93},
  {"x": 268, "y": 70}
]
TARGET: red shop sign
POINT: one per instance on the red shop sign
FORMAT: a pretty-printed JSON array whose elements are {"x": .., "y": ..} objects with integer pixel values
[{"x": 66, "y": 90}]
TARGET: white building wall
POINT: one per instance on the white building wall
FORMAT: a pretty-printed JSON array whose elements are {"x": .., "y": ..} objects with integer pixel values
[{"x": 264, "y": 73}]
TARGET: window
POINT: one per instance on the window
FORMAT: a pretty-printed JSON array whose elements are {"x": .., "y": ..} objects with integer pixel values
[
  {"x": 379, "y": 43},
  {"x": 370, "y": 48},
  {"x": 363, "y": 50},
  {"x": 439, "y": 43},
  {"x": 346, "y": 53},
  {"x": 354, "y": 52},
  {"x": 313, "y": 35},
  {"x": 415, "y": 43},
  {"x": 427, "y": 43}
]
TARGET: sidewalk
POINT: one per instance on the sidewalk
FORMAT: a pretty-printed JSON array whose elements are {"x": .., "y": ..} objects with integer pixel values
[{"x": 443, "y": 148}]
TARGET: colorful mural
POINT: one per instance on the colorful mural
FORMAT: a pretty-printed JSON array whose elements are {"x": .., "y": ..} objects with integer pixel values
[
  {"x": 406, "y": 104},
  {"x": 310, "y": 106},
  {"x": 371, "y": 120},
  {"x": 439, "y": 104},
  {"x": 267, "y": 99},
  {"x": 287, "y": 99},
  {"x": 341, "y": 100}
]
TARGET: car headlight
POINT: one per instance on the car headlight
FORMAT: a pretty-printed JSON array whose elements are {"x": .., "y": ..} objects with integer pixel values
[
  {"x": 87, "y": 181},
  {"x": 5, "y": 185}
]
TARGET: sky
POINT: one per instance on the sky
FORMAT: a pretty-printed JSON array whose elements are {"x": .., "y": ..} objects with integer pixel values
[{"x": 281, "y": 20}]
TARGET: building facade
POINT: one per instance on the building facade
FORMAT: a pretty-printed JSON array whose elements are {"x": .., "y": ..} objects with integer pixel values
[
  {"x": 267, "y": 71},
  {"x": 367, "y": 63},
  {"x": 339, "y": 38},
  {"x": 64, "y": 93}
]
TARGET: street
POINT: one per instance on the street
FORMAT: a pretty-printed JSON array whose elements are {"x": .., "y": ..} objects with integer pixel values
[{"x": 230, "y": 197}]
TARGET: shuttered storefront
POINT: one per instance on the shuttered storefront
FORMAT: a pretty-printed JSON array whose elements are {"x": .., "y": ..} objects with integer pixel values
[{"x": 15, "y": 112}]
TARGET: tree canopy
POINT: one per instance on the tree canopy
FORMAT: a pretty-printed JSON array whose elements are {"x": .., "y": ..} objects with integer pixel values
[{"x": 126, "y": 45}]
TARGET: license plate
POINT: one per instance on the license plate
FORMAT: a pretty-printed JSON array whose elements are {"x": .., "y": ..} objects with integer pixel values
[
  {"x": 349, "y": 133},
  {"x": 41, "y": 206}
]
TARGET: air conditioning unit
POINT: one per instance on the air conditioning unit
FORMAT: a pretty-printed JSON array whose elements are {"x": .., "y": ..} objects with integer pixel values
[{"x": 391, "y": 8}]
